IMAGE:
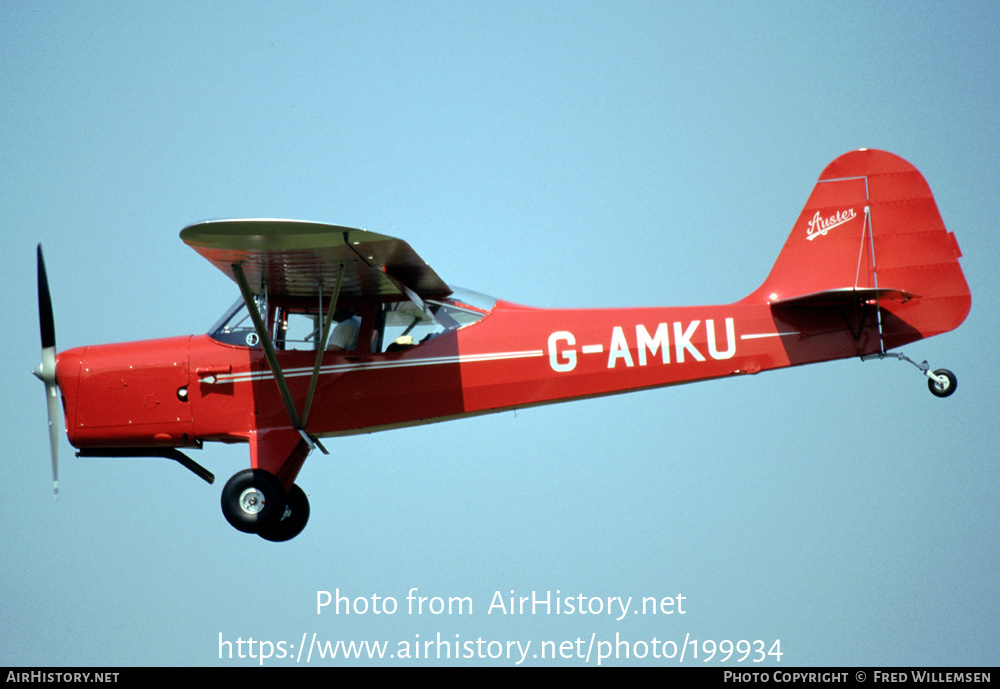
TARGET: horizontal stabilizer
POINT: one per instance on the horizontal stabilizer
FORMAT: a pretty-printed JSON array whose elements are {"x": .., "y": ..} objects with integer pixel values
[{"x": 846, "y": 297}]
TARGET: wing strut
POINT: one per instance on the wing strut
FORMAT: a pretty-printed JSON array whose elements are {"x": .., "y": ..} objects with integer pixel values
[
  {"x": 265, "y": 340},
  {"x": 321, "y": 346},
  {"x": 299, "y": 424}
]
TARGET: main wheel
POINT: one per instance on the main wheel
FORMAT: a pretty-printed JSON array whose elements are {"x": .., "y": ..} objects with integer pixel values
[
  {"x": 943, "y": 389},
  {"x": 253, "y": 499},
  {"x": 292, "y": 521}
]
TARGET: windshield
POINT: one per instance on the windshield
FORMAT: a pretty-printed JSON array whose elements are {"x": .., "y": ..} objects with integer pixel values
[{"x": 235, "y": 327}]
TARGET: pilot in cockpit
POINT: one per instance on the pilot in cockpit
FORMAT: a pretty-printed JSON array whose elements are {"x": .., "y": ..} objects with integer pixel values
[{"x": 345, "y": 335}]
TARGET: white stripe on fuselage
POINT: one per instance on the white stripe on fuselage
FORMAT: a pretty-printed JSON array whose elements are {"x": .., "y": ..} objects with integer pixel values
[
  {"x": 242, "y": 377},
  {"x": 757, "y": 336}
]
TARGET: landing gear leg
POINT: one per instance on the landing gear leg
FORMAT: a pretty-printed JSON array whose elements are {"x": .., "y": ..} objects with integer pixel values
[{"x": 941, "y": 382}]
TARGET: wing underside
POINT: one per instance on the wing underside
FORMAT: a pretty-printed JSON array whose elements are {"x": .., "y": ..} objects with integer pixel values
[{"x": 291, "y": 258}]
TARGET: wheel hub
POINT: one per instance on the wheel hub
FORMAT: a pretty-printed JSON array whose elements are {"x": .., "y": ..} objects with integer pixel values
[{"x": 251, "y": 501}]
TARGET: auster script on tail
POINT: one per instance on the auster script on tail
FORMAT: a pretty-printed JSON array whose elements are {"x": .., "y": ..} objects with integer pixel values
[{"x": 820, "y": 226}]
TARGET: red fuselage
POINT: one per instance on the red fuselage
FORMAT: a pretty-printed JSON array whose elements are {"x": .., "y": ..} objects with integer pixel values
[{"x": 179, "y": 391}]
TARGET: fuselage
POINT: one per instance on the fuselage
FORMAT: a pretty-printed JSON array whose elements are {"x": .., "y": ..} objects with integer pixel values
[{"x": 181, "y": 391}]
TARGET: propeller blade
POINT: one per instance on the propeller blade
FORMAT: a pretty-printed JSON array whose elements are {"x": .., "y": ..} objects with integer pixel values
[
  {"x": 46, "y": 371},
  {"x": 45, "y": 318},
  {"x": 52, "y": 394}
]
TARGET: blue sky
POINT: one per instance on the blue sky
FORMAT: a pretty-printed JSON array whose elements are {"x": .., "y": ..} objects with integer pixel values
[{"x": 553, "y": 154}]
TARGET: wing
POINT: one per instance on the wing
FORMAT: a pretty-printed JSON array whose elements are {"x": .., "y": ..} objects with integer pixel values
[{"x": 293, "y": 258}]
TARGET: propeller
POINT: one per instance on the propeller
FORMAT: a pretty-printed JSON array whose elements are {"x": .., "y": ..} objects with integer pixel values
[{"x": 46, "y": 371}]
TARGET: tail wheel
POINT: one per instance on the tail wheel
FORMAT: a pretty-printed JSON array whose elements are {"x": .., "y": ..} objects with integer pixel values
[
  {"x": 943, "y": 383},
  {"x": 253, "y": 500},
  {"x": 292, "y": 521}
]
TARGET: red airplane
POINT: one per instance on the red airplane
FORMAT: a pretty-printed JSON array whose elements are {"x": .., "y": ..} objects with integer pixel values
[{"x": 341, "y": 331}]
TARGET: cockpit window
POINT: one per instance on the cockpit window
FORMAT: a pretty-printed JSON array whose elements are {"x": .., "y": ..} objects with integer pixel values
[
  {"x": 297, "y": 329},
  {"x": 397, "y": 325},
  {"x": 405, "y": 324},
  {"x": 302, "y": 330},
  {"x": 470, "y": 299}
]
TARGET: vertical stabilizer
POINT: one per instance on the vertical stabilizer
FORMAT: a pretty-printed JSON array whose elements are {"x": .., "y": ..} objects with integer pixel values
[{"x": 872, "y": 232}]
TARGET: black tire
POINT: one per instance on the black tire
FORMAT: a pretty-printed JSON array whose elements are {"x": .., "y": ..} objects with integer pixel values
[
  {"x": 945, "y": 389},
  {"x": 292, "y": 521},
  {"x": 253, "y": 499}
]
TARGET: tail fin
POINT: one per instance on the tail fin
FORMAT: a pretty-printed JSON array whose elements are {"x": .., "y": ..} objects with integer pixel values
[{"x": 871, "y": 234}]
